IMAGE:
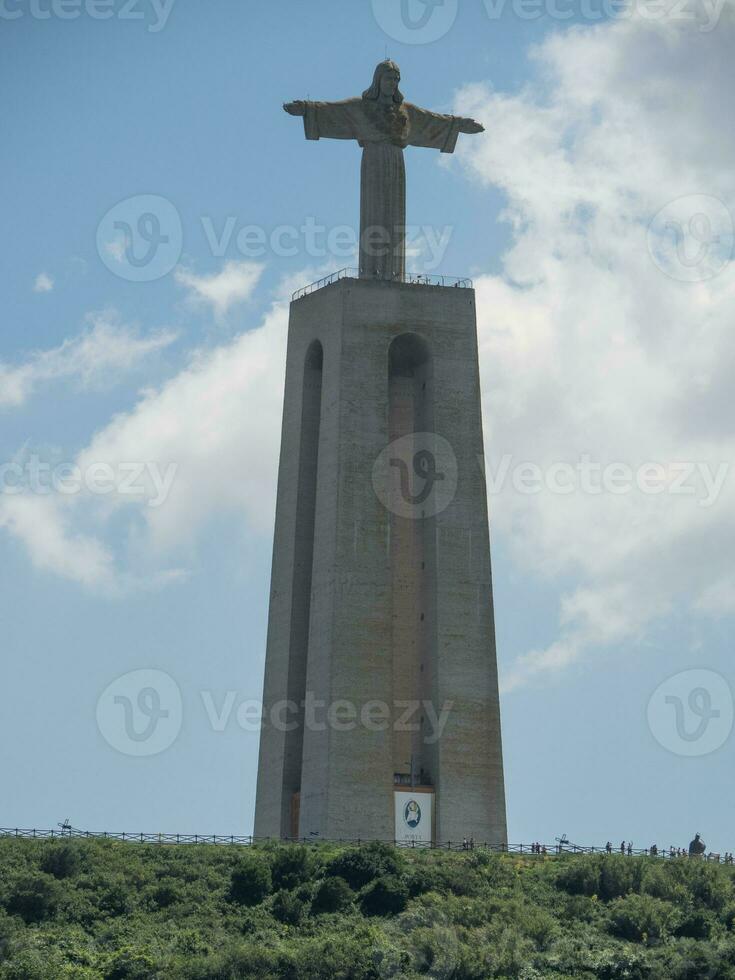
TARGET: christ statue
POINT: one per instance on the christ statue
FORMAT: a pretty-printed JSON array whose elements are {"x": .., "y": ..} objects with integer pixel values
[{"x": 383, "y": 124}]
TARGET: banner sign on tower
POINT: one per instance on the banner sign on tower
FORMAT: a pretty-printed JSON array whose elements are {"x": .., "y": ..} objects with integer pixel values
[{"x": 414, "y": 816}]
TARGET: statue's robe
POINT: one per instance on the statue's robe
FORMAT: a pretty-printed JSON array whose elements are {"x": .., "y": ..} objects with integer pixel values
[{"x": 382, "y": 131}]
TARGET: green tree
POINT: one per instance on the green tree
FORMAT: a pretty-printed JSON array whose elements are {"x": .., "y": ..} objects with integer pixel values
[
  {"x": 62, "y": 860},
  {"x": 384, "y": 896},
  {"x": 132, "y": 964},
  {"x": 642, "y": 918},
  {"x": 250, "y": 881},
  {"x": 332, "y": 895},
  {"x": 360, "y": 865},
  {"x": 34, "y": 897},
  {"x": 291, "y": 866},
  {"x": 288, "y": 907}
]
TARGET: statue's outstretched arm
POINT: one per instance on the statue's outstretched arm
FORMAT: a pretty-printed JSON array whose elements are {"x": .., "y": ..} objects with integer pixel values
[
  {"x": 438, "y": 131},
  {"x": 329, "y": 120}
]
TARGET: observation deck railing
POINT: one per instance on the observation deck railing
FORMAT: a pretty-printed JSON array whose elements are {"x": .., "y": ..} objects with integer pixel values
[
  {"x": 560, "y": 847},
  {"x": 413, "y": 278}
]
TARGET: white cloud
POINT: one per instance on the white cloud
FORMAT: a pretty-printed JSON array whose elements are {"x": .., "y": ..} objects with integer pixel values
[
  {"x": 218, "y": 421},
  {"x": 586, "y": 345},
  {"x": 42, "y": 524},
  {"x": 104, "y": 350},
  {"x": 216, "y": 425},
  {"x": 43, "y": 283},
  {"x": 222, "y": 290}
]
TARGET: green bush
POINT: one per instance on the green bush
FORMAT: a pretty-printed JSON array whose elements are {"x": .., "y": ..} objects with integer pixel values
[
  {"x": 696, "y": 923},
  {"x": 250, "y": 881},
  {"x": 166, "y": 893},
  {"x": 332, "y": 895},
  {"x": 132, "y": 964},
  {"x": 114, "y": 895},
  {"x": 384, "y": 896},
  {"x": 708, "y": 886},
  {"x": 62, "y": 860},
  {"x": 292, "y": 866},
  {"x": 641, "y": 918},
  {"x": 8, "y": 930},
  {"x": 288, "y": 907},
  {"x": 360, "y": 865},
  {"x": 206, "y": 913},
  {"x": 34, "y": 897},
  {"x": 619, "y": 876},
  {"x": 33, "y": 964},
  {"x": 661, "y": 883},
  {"x": 579, "y": 877},
  {"x": 620, "y": 963}
]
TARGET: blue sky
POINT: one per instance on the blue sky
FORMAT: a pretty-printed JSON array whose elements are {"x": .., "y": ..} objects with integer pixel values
[{"x": 600, "y": 334}]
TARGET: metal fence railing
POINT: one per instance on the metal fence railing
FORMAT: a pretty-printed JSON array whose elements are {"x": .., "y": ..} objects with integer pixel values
[
  {"x": 559, "y": 847},
  {"x": 413, "y": 278}
]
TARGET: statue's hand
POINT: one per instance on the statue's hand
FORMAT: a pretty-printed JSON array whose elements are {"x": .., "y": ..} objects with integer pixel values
[
  {"x": 470, "y": 126},
  {"x": 297, "y": 108}
]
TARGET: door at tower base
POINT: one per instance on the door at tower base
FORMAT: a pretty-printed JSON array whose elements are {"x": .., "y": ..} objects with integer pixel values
[{"x": 414, "y": 816}]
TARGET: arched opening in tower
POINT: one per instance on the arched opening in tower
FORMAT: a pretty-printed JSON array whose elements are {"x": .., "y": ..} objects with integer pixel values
[
  {"x": 311, "y": 405},
  {"x": 413, "y": 558}
]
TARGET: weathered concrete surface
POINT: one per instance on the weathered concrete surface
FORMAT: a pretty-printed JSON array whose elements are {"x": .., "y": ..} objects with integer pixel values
[{"x": 396, "y": 605}]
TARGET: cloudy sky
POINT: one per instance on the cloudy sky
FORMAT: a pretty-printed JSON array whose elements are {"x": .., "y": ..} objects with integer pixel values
[{"x": 140, "y": 398}]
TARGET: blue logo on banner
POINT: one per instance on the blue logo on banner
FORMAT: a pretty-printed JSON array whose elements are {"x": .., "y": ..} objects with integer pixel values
[{"x": 412, "y": 813}]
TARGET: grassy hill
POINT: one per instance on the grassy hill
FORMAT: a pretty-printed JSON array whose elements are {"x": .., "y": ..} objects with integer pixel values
[{"x": 135, "y": 912}]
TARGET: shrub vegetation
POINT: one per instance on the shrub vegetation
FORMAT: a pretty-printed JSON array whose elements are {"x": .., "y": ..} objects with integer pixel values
[{"x": 103, "y": 910}]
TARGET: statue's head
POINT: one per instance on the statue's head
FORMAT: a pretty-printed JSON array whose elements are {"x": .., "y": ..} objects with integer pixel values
[{"x": 385, "y": 83}]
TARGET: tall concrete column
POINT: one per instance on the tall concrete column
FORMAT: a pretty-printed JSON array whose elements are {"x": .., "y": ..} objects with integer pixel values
[{"x": 381, "y": 586}]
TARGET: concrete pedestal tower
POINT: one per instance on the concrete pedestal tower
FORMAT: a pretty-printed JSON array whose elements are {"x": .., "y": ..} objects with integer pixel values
[{"x": 381, "y": 714}]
